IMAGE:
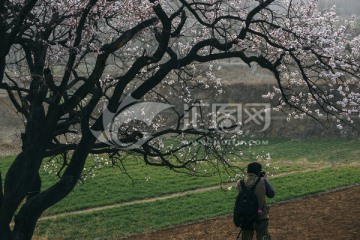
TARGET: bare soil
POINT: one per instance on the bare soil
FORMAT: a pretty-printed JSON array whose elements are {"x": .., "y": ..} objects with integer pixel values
[{"x": 333, "y": 216}]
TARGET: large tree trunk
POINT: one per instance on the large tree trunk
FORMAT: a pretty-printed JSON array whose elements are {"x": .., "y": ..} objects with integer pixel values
[
  {"x": 31, "y": 211},
  {"x": 24, "y": 171},
  {"x": 22, "y": 178},
  {"x": 18, "y": 183}
]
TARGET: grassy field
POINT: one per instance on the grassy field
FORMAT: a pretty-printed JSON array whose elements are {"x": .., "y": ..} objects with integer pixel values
[
  {"x": 141, "y": 217},
  {"x": 111, "y": 186}
]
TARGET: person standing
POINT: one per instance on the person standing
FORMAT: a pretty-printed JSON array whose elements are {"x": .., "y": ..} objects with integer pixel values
[{"x": 262, "y": 190}]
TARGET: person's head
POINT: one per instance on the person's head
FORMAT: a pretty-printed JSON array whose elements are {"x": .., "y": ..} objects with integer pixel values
[{"x": 254, "y": 168}]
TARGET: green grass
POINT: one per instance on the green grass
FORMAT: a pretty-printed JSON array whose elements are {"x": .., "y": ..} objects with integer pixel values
[
  {"x": 314, "y": 150},
  {"x": 136, "y": 218},
  {"x": 111, "y": 186}
]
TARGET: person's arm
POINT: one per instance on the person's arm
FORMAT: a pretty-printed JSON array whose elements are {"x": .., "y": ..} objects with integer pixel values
[{"x": 270, "y": 193}]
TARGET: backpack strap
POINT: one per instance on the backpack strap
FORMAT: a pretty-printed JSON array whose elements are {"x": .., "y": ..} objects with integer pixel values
[
  {"x": 242, "y": 184},
  {"x": 257, "y": 181}
]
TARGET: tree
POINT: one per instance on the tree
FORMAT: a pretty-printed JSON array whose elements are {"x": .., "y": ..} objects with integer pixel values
[{"x": 71, "y": 56}]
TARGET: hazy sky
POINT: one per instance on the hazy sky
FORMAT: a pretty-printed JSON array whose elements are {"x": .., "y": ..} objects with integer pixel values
[{"x": 347, "y": 7}]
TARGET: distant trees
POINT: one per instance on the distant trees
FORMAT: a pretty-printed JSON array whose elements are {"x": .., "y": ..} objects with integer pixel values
[{"x": 75, "y": 55}]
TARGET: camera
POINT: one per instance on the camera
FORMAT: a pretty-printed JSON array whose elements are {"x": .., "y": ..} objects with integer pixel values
[{"x": 262, "y": 173}]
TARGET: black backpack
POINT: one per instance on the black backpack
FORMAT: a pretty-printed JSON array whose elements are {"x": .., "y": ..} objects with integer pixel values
[{"x": 246, "y": 207}]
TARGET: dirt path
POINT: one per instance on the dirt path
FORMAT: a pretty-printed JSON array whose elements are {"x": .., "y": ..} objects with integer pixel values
[{"x": 331, "y": 216}]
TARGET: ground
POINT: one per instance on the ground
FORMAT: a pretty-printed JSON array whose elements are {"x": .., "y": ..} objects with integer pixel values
[{"x": 333, "y": 216}]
